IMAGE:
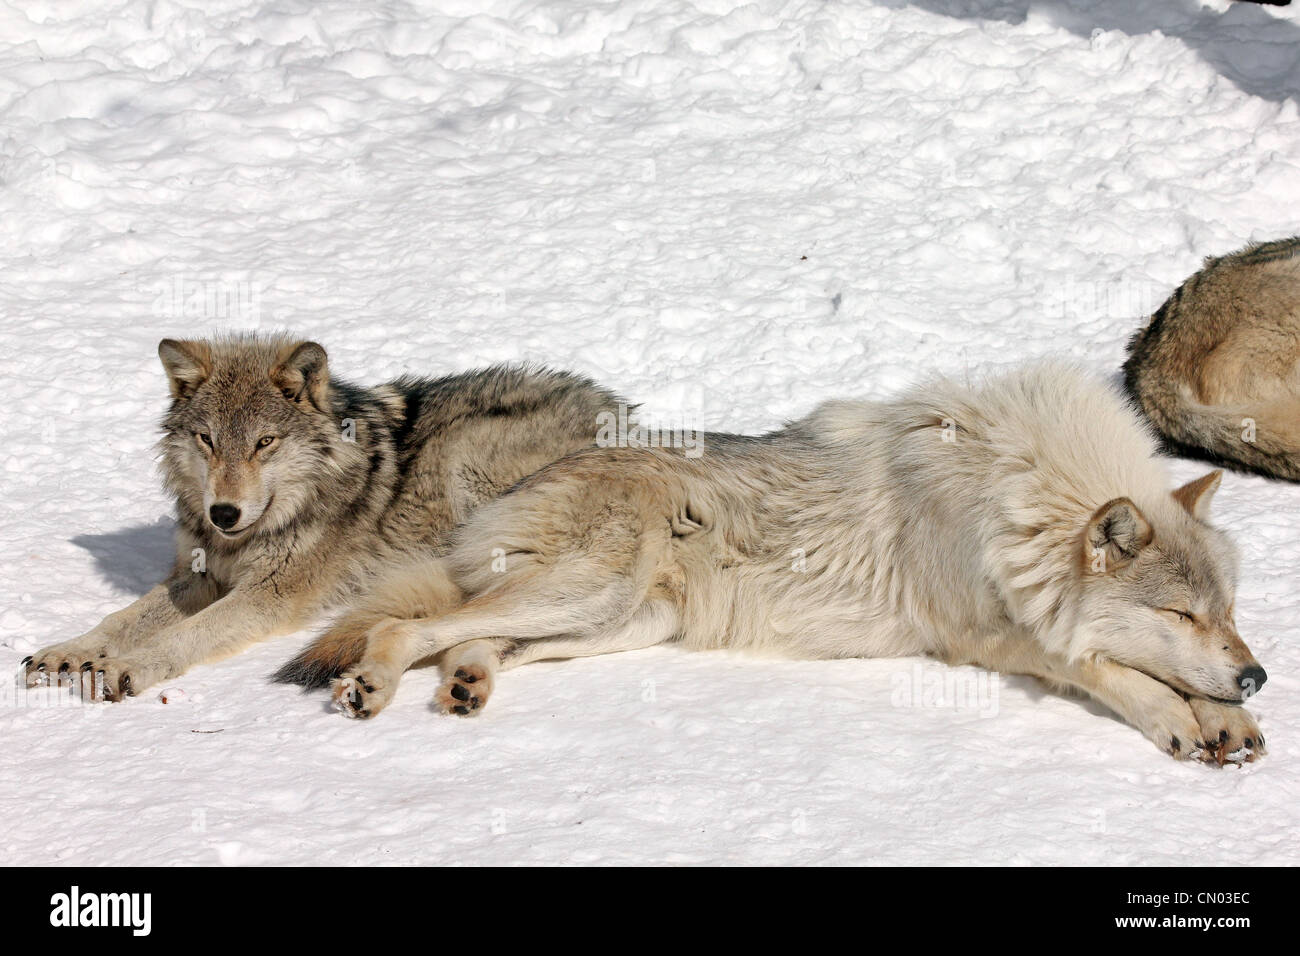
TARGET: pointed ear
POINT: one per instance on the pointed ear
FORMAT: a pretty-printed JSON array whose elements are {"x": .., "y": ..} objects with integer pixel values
[
  {"x": 1116, "y": 533},
  {"x": 1195, "y": 495},
  {"x": 188, "y": 365},
  {"x": 302, "y": 374}
]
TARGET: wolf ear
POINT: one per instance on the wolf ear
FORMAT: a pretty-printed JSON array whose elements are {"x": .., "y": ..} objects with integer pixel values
[
  {"x": 303, "y": 374},
  {"x": 188, "y": 365},
  {"x": 1116, "y": 533},
  {"x": 1195, "y": 495}
]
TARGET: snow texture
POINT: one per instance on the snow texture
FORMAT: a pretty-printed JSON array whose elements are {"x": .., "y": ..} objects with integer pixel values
[{"x": 728, "y": 211}]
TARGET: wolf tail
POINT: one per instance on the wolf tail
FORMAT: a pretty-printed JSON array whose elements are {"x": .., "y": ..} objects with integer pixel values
[
  {"x": 414, "y": 588},
  {"x": 1262, "y": 437}
]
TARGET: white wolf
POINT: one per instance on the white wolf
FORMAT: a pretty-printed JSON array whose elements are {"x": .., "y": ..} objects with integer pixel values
[{"x": 1026, "y": 526}]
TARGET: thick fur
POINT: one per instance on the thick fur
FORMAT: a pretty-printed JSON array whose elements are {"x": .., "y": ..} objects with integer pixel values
[
  {"x": 1217, "y": 370},
  {"x": 1026, "y": 526},
  {"x": 318, "y": 482}
]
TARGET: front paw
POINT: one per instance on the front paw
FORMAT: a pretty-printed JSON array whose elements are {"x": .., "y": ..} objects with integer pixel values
[
  {"x": 1172, "y": 727},
  {"x": 1230, "y": 731},
  {"x": 63, "y": 664},
  {"x": 116, "y": 678}
]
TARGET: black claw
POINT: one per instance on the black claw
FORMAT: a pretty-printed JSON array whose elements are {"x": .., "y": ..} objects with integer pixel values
[
  {"x": 86, "y": 666},
  {"x": 41, "y": 666},
  {"x": 1223, "y": 736},
  {"x": 459, "y": 692},
  {"x": 26, "y": 660},
  {"x": 459, "y": 710},
  {"x": 473, "y": 703},
  {"x": 63, "y": 668},
  {"x": 363, "y": 713},
  {"x": 1261, "y": 740},
  {"x": 1175, "y": 743},
  {"x": 124, "y": 685}
]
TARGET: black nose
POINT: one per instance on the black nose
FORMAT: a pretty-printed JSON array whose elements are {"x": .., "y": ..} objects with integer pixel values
[
  {"x": 1250, "y": 680},
  {"x": 226, "y": 517}
]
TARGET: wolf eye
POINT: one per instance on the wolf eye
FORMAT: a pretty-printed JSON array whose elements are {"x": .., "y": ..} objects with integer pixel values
[
  {"x": 204, "y": 437},
  {"x": 1183, "y": 616},
  {"x": 265, "y": 440}
]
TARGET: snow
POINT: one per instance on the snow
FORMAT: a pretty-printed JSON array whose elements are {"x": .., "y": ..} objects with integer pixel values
[{"x": 729, "y": 211}]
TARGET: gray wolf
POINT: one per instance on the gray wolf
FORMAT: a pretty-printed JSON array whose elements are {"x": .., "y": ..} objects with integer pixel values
[
  {"x": 1025, "y": 525},
  {"x": 291, "y": 485},
  {"x": 1217, "y": 369}
]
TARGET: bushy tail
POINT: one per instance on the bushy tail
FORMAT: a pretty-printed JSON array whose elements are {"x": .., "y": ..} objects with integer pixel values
[
  {"x": 411, "y": 588},
  {"x": 1261, "y": 437}
]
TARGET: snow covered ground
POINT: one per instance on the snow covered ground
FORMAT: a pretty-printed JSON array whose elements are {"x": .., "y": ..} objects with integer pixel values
[{"x": 727, "y": 210}]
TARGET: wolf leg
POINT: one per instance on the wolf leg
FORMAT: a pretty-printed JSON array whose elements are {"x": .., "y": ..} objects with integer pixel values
[
  {"x": 1157, "y": 710},
  {"x": 367, "y": 647},
  {"x": 387, "y": 650},
  {"x": 224, "y": 627},
  {"x": 577, "y": 570},
  {"x": 581, "y": 604},
  {"x": 559, "y": 601},
  {"x": 1154, "y": 708},
  {"x": 184, "y": 592},
  {"x": 519, "y": 610},
  {"x": 470, "y": 669}
]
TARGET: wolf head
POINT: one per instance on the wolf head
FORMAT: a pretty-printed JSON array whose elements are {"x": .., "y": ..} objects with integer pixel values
[
  {"x": 1157, "y": 593},
  {"x": 249, "y": 426}
]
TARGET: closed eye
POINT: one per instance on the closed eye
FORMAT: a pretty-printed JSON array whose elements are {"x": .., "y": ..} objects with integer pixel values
[{"x": 1183, "y": 616}]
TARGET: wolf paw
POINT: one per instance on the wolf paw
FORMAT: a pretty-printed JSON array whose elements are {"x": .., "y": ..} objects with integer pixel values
[
  {"x": 364, "y": 691},
  {"x": 99, "y": 672},
  {"x": 1174, "y": 729},
  {"x": 116, "y": 678},
  {"x": 62, "y": 664},
  {"x": 465, "y": 692},
  {"x": 1230, "y": 731}
]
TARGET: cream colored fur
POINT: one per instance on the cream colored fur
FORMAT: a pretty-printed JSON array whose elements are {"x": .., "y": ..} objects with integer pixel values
[{"x": 1026, "y": 525}]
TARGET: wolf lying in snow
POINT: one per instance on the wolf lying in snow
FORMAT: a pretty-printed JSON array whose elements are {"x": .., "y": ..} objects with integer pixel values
[
  {"x": 1025, "y": 526},
  {"x": 1217, "y": 369},
  {"x": 290, "y": 485}
]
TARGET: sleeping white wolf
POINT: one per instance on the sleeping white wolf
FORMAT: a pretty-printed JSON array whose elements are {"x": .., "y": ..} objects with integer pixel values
[{"x": 1026, "y": 526}]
